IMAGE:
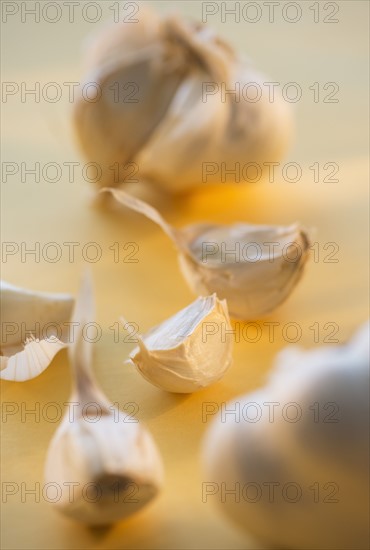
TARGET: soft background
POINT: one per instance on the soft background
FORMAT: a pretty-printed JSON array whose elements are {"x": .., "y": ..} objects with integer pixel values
[{"x": 152, "y": 289}]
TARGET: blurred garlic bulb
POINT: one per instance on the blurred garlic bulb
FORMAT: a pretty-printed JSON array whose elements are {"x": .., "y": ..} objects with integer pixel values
[
  {"x": 253, "y": 267},
  {"x": 106, "y": 467},
  {"x": 33, "y": 330},
  {"x": 190, "y": 350},
  {"x": 298, "y": 450},
  {"x": 175, "y": 101}
]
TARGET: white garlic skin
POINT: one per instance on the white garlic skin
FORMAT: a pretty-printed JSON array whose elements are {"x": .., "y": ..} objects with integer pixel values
[
  {"x": 252, "y": 288},
  {"x": 188, "y": 351},
  {"x": 31, "y": 314},
  {"x": 332, "y": 455},
  {"x": 21, "y": 305},
  {"x": 169, "y": 126},
  {"x": 119, "y": 457}
]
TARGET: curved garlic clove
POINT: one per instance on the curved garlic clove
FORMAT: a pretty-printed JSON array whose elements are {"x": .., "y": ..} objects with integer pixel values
[
  {"x": 152, "y": 77},
  {"x": 106, "y": 467},
  {"x": 190, "y": 350},
  {"x": 26, "y": 351},
  {"x": 253, "y": 267},
  {"x": 318, "y": 449}
]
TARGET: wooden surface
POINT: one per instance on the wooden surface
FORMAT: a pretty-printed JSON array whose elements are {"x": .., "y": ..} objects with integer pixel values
[{"x": 152, "y": 289}]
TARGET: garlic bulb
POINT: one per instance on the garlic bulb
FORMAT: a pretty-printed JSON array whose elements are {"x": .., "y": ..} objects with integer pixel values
[
  {"x": 33, "y": 330},
  {"x": 190, "y": 350},
  {"x": 253, "y": 267},
  {"x": 175, "y": 102},
  {"x": 298, "y": 451},
  {"x": 104, "y": 466}
]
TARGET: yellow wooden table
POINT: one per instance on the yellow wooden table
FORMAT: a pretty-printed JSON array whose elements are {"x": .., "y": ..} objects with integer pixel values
[{"x": 314, "y": 49}]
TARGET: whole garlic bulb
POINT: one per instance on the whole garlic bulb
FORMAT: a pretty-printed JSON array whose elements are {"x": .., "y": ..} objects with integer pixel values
[
  {"x": 190, "y": 350},
  {"x": 253, "y": 267},
  {"x": 302, "y": 474},
  {"x": 164, "y": 105},
  {"x": 105, "y": 466},
  {"x": 33, "y": 330}
]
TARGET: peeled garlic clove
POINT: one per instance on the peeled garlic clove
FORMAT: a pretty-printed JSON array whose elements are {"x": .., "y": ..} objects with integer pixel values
[
  {"x": 298, "y": 451},
  {"x": 253, "y": 267},
  {"x": 153, "y": 77},
  {"x": 190, "y": 350},
  {"x": 105, "y": 466},
  {"x": 26, "y": 315}
]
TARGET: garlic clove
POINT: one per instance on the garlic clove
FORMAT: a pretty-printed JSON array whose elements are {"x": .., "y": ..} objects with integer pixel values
[
  {"x": 114, "y": 468},
  {"x": 315, "y": 453},
  {"x": 190, "y": 350},
  {"x": 33, "y": 330},
  {"x": 152, "y": 78},
  {"x": 239, "y": 264},
  {"x": 106, "y": 467},
  {"x": 222, "y": 130},
  {"x": 130, "y": 67},
  {"x": 254, "y": 267},
  {"x": 187, "y": 116}
]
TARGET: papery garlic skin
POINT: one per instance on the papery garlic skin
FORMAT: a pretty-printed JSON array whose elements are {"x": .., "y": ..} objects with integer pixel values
[
  {"x": 28, "y": 314},
  {"x": 106, "y": 465},
  {"x": 188, "y": 351},
  {"x": 254, "y": 267},
  {"x": 318, "y": 450},
  {"x": 164, "y": 106}
]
